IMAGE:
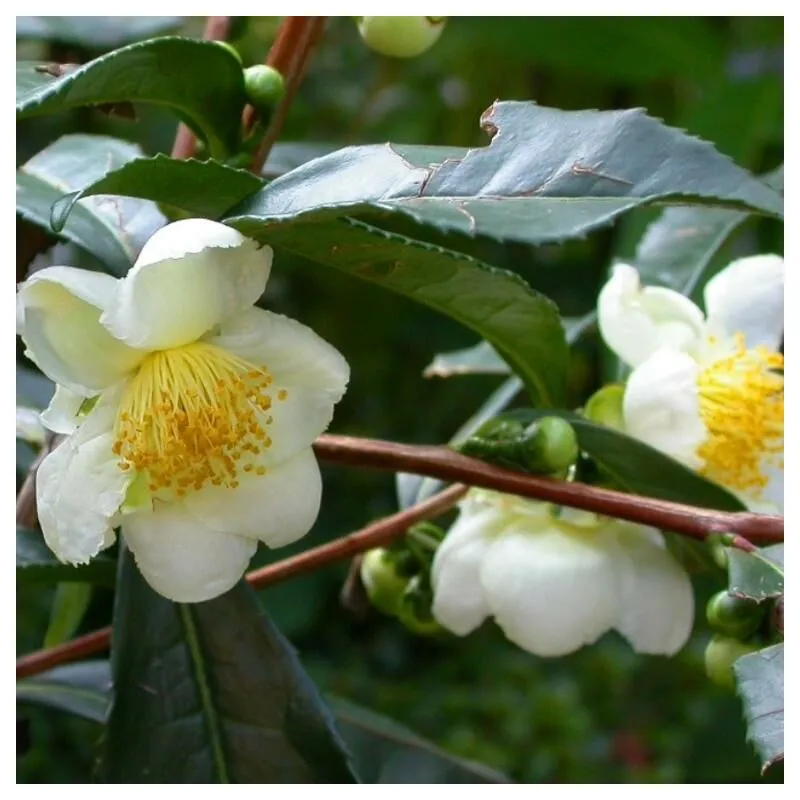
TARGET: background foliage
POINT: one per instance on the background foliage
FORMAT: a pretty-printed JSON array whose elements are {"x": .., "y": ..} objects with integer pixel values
[{"x": 603, "y": 714}]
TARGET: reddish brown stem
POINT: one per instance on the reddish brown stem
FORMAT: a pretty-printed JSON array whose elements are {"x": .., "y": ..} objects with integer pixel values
[
  {"x": 374, "y": 535},
  {"x": 446, "y": 464},
  {"x": 217, "y": 30}
]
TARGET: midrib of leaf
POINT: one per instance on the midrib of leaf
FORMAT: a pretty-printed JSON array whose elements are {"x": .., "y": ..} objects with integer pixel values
[{"x": 206, "y": 700}]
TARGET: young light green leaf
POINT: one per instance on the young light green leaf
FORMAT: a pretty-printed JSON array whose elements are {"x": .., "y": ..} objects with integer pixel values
[
  {"x": 759, "y": 682},
  {"x": 95, "y": 33},
  {"x": 757, "y": 575},
  {"x": 211, "y": 693},
  {"x": 37, "y": 564},
  {"x": 69, "y": 607},
  {"x": 200, "y": 81},
  {"x": 83, "y": 689},
  {"x": 547, "y": 175},
  {"x": 523, "y": 325},
  {"x": 208, "y": 188},
  {"x": 113, "y": 229},
  {"x": 386, "y": 752}
]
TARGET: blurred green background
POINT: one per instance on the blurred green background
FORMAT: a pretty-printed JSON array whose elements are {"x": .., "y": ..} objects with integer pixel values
[{"x": 603, "y": 714}]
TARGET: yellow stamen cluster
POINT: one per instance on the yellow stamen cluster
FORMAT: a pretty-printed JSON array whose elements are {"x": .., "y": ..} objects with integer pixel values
[
  {"x": 741, "y": 404},
  {"x": 194, "y": 415}
]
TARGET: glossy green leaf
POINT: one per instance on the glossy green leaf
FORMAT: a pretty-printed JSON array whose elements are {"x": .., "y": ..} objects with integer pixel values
[
  {"x": 208, "y": 188},
  {"x": 387, "y": 752},
  {"x": 759, "y": 682},
  {"x": 113, "y": 229},
  {"x": 286, "y": 156},
  {"x": 94, "y": 33},
  {"x": 638, "y": 468},
  {"x": 37, "y": 564},
  {"x": 83, "y": 689},
  {"x": 757, "y": 575},
  {"x": 523, "y": 325},
  {"x": 211, "y": 693},
  {"x": 69, "y": 607},
  {"x": 547, "y": 175},
  {"x": 200, "y": 81},
  {"x": 677, "y": 249}
]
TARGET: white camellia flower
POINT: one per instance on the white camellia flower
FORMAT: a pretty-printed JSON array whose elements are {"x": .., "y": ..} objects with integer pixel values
[
  {"x": 190, "y": 412},
  {"x": 557, "y": 583},
  {"x": 707, "y": 389}
]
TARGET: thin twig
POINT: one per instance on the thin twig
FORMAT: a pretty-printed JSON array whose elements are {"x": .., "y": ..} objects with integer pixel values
[
  {"x": 446, "y": 464},
  {"x": 217, "y": 30},
  {"x": 374, "y": 535}
]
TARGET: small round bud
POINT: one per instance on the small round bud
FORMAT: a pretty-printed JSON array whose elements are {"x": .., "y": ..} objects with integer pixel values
[
  {"x": 231, "y": 49},
  {"x": 605, "y": 406},
  {"x": 720, "y": 654},
  {"x": 264, "y": 87},
  {"x": 385, "y": 587},
  {"x": 550, "y": 445},
  {"x": 400, "y": 37},
  {"x": 737, "y": 617}
]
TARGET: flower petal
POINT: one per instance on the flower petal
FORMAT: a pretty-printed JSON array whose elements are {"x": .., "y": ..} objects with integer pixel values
[
  {"x": 182, "y": 559},
  {"x": 60, "y": 309},
  {"x": 190, "y": 276},
  {"x": 61, "y": 416},
  {"x": 551, "y": 592},
  {"x": 277, "y": 508},
  {"x": 657, "y": 599},
  {"x": 80, "y": 488},
  {"x": 661, "y": 406},
  {"x": 313, "y": 374},
  {"x": 459, "y": 602},
  {"x": 636, "y": 321},
  {"x": 747, "y": 297}
]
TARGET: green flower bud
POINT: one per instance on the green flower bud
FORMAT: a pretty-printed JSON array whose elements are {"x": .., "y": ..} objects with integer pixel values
[
  {"x": 231, "y": 49},
  {"x": 400, "y": 37},
  {"x": 737, "y": 617},
  {"x": 264, "y": 87},
  {"x": 721, "y": 652},
  {"x": 605, "y": 406},
  {"x": 414, "y": 609},
  {"x": 550, "y": 445},
  {"x": 385, "y": 586}
]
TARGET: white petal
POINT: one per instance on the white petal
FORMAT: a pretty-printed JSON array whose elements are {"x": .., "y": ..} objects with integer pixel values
[
  {"x": 747, "y": 297},
  {"x": 551, "y": 592},
  {"x": 61, "y": 416},
  {"x": 79, "y": 489},
  {"x": 657, "y": 599},
  {"x": 190, "y": 276},
  {"x": 277, "y": 508},
  {"x": 182, "y": 559},
  {"x": 459, "y": 602},
  {"x": 60, "y": 309},
  {"x": 635, "y": 322},
  {"x": 661, "y": 406},
  {"x": 29, "y": 425},
  {"x": 312, "y": 373}
]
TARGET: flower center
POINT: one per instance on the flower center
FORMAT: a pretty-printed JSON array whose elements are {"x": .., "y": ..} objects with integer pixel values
[
  {"x": 741, "y": 403},
  {"x": 194, "y": 415}
]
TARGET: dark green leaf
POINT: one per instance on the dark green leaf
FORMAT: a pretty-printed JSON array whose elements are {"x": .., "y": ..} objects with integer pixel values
[
  {"x": 37, "y": 564},
  {"x": 386, "y": 752},
  {"x": 113, "y": 229},
  {"x": 69, "y": 607},
  {"x": 547, "y": 175},
  {"x": 207, "y": 187},
  {"x": 94, "y": 33},
  {"x": 759, "y": 682},
  {"x": 83, "y": 689},
  {"x": 639, "y": 468},
  {"x": 286, "y": 156},
  {"x": 523, "y": 325},
  {"x": 758, "y": 575},
  {"x": 200, "y": 81},
  {"x": 211, "y": 693}
]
